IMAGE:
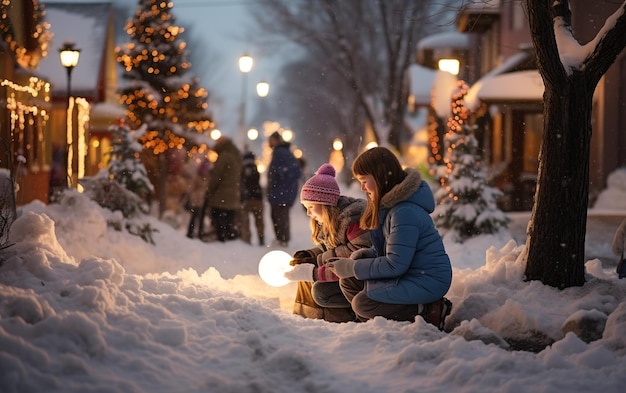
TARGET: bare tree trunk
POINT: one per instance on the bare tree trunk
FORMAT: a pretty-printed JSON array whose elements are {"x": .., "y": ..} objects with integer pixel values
[
  {"x": 555, "y": 248},
  {"x": 556, "y": 241}
]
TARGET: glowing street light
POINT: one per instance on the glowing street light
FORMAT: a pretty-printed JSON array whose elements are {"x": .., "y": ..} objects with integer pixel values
[
  {"x": 336, "y": 158},
  {"x": 253, "y": 134},
  {"x": 245, "y": 63},
  {"x": 216, "y": 134},
  {"x": 69, "y": 56},
  {"x": 262, "y": 89},
  {"x": 245, "y": 66},
  {"x": 337, "y": 144},
  {"x": 287, "y": 135}
]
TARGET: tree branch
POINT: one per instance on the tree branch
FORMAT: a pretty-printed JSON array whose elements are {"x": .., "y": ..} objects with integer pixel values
[
  {"x": 611, "y": 41},
  {"x": 544, "y": 41}
]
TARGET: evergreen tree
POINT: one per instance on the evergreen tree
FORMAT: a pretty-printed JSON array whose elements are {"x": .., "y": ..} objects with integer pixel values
[
  {"x": 193, "y": 104},
  {"x": 466, "y": 203},
  {"x": 125, "y": 186},
  {"x": 125, "y": 165},
  {"x": 159, "y": 94}
]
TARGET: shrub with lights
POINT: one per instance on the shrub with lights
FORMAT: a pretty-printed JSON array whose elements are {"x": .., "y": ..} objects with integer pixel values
[
  {"x": 466, "y": 204},
  {"x": 125, "y": 164},
  {"x": 125, "y": 187}
]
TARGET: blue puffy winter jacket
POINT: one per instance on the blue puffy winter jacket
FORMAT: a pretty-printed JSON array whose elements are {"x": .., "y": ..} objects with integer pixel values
[{"x": 412, "y": 266}]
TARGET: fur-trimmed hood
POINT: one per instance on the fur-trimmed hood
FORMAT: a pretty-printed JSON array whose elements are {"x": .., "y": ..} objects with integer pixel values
[
  {"x": 411, "y": 188},
  {"x": 351, "y": 211}
]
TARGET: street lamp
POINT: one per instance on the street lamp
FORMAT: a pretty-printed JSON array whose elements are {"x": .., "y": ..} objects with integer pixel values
[
  {"x": 262, "y": 89},
  {"x": 287, "y": 135},
  {"x": 253, "y": 134},
  {"x": 69, "y": 59},
  {"x": 245, "y": 66},
  {"x": 216, "y": 134},
  {"x": 336, "y": 158}
]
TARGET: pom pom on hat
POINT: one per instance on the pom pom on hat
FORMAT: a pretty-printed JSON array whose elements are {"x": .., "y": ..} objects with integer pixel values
[{"x": 321, "y": 188}]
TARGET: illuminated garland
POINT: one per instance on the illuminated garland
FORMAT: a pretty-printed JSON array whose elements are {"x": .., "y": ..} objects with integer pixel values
[{"x": 29, "y": 53}]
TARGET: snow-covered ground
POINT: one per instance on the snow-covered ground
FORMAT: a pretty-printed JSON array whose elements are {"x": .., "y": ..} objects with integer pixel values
[{"x": 84, "y": 308}]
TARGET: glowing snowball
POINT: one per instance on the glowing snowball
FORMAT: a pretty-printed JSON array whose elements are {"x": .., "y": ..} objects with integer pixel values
[{"x": 272, "y": 267}]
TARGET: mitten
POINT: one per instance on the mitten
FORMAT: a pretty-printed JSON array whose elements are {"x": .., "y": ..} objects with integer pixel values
[
  {"x": 363, "y": 253},
  {"x": 324, "y": 274},
  {"x": 301, "y": 272},
  {"x": 303, "y": 256},
  {"x": 325, "y": 256},
  {"x": 342, "y": 267}
]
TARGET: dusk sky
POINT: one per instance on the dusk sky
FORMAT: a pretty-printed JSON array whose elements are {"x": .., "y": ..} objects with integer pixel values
[
  {"x": 223, "y": 28},
  {"x": 217, "y": 33}
]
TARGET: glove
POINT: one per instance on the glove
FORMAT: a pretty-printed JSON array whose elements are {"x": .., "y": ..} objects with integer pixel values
[
  {"x": 303, "y": 256},
  {"x": 301, "y": 272},
  {"x": 324, "y": 274},
  {"x": 363, "y": 253},
  {"x": 342, "y": 267}
]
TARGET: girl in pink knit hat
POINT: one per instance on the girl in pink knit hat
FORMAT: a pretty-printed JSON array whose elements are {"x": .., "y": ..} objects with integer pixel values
[{"x": 335, "y": 232}]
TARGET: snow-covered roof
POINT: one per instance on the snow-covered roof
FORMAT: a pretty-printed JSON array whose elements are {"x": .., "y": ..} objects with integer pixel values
[
  {"x": 443, "y": 87},
  {"x": 505, "y": 83},
  {"x": 512, "y": 86},
  {"x": 86, "y": 26},
  {"x": 447, "y": 40},
  {"x": 107, "y": 110},
  {"x": 421, "y": 82},
  {"x": 483, "y": 6}
]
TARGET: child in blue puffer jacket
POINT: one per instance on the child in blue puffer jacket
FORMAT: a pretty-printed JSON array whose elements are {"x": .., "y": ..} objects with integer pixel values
[{"x": 407, "y": 272}]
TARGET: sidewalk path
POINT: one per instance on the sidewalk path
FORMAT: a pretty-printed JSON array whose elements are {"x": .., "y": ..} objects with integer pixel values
[{"x": 601, "y": 226}]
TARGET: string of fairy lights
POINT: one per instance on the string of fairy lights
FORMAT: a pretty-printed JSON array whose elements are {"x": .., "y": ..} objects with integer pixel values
[
  {"x": 456, "y": 125},
  {"x": 28, "y": 99}
]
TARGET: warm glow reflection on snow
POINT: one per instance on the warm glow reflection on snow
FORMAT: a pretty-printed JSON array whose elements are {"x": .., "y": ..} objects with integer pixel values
[{"x": 272, "y": 267}]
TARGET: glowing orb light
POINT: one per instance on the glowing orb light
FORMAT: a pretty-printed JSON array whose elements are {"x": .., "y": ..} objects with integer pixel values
[{"x": 272, "y": 267}]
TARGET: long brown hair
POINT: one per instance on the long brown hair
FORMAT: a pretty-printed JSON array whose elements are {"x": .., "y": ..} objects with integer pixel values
[
  {"x": 327, "y": 230},
  {"x": 384, "y": 167}
]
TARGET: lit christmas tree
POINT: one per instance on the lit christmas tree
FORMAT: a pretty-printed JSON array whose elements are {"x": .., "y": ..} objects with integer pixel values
[
  {"x": 125, "y": 164},
  {"x": 466, "y": 203},
  {"x": 158, "y": 93}
]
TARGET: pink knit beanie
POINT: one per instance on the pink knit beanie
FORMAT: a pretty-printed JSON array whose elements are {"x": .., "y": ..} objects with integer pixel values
[{"x": 321, "y": 188}]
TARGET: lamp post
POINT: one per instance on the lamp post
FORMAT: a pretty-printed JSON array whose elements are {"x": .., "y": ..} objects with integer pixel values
[
  {"x": 336, "y": 158},
  {"x": 245, "y": 66},
  {"x": 262, "y": 89},
  {"x": 69, "y": 59}
]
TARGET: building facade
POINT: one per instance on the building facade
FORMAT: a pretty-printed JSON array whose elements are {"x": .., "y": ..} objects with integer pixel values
[
  {"x": 506, "y": 97},
  {"x": 25, "y": 98}
]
